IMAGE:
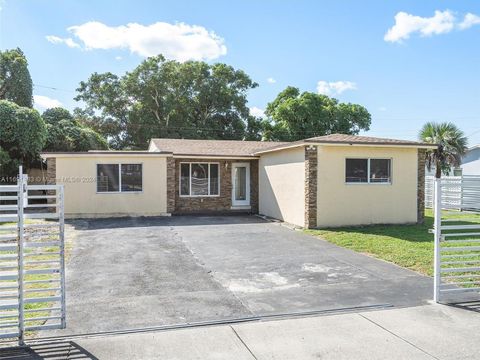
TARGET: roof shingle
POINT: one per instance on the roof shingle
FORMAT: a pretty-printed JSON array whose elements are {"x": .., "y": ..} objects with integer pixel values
[
  {"x": 233, "y": 148},
  {"x": 348, "y": 140},
  {"x": 238, "y": 148},
  {"x": 355, "y": 139}
]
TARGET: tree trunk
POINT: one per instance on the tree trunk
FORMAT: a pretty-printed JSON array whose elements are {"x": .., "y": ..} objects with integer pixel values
[{"x": 438, "y": 170}]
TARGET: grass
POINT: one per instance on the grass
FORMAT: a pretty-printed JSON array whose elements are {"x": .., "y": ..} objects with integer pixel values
[{"x": 410, "y": 246}]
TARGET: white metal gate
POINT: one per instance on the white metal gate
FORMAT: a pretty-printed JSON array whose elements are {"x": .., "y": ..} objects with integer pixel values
[
  {"x": 457, "y": 250},
  {"x": 32, "y": 265},
  {"x": 458, "y": 192}
]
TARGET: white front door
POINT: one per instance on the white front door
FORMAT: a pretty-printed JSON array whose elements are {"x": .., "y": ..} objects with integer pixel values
[{"x": 241, "y": 184}]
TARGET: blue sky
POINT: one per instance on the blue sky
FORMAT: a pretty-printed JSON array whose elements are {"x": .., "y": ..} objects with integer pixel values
[{"x": 425, "y": 69}]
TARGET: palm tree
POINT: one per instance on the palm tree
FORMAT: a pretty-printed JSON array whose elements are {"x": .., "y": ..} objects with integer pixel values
[{"x": 452, "y": 145}]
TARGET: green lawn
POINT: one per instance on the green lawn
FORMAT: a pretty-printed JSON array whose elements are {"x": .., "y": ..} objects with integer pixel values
[{"x": 410, "y": 246}]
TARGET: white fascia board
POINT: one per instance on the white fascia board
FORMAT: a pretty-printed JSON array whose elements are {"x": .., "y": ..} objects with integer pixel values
[
  {"x": 219, "y": 157},
  {"x": 347, "y": 144},
  {"x": 105, "y": 154}
]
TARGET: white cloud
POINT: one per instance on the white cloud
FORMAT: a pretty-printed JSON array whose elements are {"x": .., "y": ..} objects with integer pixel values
[
  {"x": 176, "y": 41},
  {"x": 255, "y": 111},
  {"x": 469, "y": 20},
  {"x": 406, "y": 24},
  {"x": 271, "y": 80},
  {"x": 335, "y": 87},
  {"x": 44, "y": 102},
  {"x": 441, "y": 22},
  {"x": 382, "y": 108},
  {"x": 118, "y": 58},
  {"x": 67, "y": 41}
]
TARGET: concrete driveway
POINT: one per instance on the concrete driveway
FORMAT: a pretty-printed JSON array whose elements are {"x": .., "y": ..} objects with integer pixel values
[{"x": 133, "y": 273}]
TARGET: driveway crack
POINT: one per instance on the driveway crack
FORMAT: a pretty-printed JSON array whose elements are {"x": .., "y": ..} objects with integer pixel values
[
  {"x": 399, "y": 337},
  {"x": 243, "y": 342},
  {"x": 209, "y": 271}
]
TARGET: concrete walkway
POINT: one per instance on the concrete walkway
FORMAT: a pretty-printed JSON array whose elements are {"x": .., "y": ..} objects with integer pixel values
[{"x": 424, "y": 332}]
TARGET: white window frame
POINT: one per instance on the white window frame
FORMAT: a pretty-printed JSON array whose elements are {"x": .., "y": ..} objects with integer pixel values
[
  {"x": 190, "y": 178},
  {"x": 119, "y": 179},
  {"x": 368, "y": 171}
]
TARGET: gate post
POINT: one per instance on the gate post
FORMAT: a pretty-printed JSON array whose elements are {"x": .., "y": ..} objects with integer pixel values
[
  {"x": 61, "y": 220},
  {"x": 437, "y": 223},
  {"x": 20, "y": 202}
]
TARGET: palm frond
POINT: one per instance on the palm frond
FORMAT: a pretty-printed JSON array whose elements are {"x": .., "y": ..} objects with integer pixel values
[{"x": 451, "y": 141}]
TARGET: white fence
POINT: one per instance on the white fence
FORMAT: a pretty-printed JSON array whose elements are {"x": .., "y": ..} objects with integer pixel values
[
  {"x": 458, "y": 192},
  {"x": 457, "y": 244},
  {"x": 32, "y": 265}
]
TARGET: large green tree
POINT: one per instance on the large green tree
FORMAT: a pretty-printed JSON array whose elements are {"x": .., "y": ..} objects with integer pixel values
[
  {"x": 452, "y": 145},
  {"x": 15, "y": 80},
  {"x": 65, "y": 133},
  {"x": 22, "y": 136},
  {"x": 294, "y": 116},
  {"x": 166, "y": 98}
]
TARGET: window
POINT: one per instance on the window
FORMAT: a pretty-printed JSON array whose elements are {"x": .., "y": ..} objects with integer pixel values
[
  {"x": 199, "y": 179},
  {"x": 131, "y": 177},
  {"x": 380, "y": 170},
  {"x": 119, "y": 177},
  {"x": 356, "y": 170},
  {"x": 108, "y": 178},
  {"x": 368, "y": 170},
  {"x": 184, "y": 179},
  {"x": 214, "y": 185}
]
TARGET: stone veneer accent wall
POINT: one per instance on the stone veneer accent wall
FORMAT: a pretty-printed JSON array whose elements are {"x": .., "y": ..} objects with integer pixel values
[
  {"x": 51, "y": 180},
  {"x": 171, "y": 181},
  {"x": 421, "y": 186},
  {"x": 311, "y": 161},
  {"x": 254, "y": 186},
  {"x": 221, "y": 203},
  {"x": 51, "y": 171}
]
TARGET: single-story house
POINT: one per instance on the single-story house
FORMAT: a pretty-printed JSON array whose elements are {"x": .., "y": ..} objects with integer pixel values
[
  {"x": 471, "y": 161},
  {"x": 331, "y": 180}
]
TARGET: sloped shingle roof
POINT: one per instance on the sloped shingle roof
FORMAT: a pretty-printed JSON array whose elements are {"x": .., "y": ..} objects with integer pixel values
[
  {"x": 234, "y": 148},
  {"x": 238, "y": 148},
  {"x": 356, "y": 139},
  {"x": 349, "y": 140}
]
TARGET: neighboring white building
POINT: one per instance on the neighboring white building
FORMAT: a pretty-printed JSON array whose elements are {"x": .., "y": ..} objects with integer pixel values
[{"x": 471, "y": 161}]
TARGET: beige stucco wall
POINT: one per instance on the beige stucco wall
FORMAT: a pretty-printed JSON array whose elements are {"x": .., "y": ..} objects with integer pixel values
[
  {"x": 340, "y": 204},
  {"x": 78, "y": 175},
  {"x": 282, "y": 185}
]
